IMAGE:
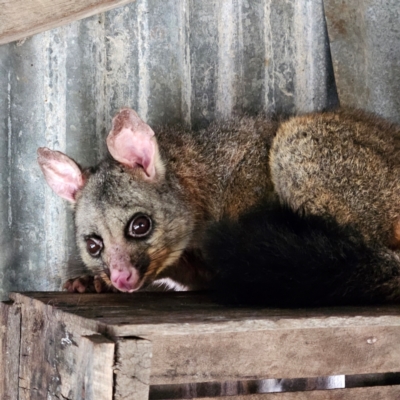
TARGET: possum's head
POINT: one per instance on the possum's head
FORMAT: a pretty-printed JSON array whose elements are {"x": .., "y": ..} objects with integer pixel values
[{"x": 129, "y": 221}]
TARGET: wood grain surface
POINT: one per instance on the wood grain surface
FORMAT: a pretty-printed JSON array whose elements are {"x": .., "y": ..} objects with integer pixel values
[
  {"x": 10, "y": 334},
  {"x": 22, "y": 18},
  {"x": 195, "y": 340}
]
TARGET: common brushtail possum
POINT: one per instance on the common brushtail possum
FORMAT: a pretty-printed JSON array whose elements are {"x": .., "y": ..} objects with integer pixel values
[{"x": 303, "y": 212}]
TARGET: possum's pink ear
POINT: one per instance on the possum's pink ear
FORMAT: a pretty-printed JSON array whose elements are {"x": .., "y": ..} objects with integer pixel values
[
  {"x": 132, "y": 143},
  {"x": 61, "y": 173}
]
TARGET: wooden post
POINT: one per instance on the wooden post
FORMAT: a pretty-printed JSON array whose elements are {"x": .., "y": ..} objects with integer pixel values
[
  {"x": 10, "y": 330},
  {"x": 60, "y": 359},
  {"x": 96, "y": 367},
  {"x": 132, "y": 370}
]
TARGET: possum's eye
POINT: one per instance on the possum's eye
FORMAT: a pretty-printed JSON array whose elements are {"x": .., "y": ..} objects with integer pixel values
[
  {"x": 139, "y": 226},
  {"x": 94, "y": 246}
]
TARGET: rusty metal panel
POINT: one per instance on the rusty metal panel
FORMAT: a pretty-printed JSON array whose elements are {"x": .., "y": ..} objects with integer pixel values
[
  {"x": 172, "y": 60},
  {"x": 365, "y": 45}
]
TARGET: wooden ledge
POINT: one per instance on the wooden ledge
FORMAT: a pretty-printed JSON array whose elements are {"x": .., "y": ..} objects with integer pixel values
[
  {"x": 127, "y": 343},
  {"x": 175, "y": 313},
  {"x": 22, "y": 18}
]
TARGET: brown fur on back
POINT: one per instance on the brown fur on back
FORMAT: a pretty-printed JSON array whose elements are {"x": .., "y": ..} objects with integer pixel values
[
  {"x": 344, "y": 163},
  {"x": 223, "y": 169}
]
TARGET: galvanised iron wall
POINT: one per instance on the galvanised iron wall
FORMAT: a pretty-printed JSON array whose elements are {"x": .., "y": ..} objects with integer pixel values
[{"x": 172, "y": 60}]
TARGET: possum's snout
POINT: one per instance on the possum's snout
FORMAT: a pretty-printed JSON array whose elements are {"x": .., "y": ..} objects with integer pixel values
[
  {"x": 126, "y": 280},
  {"x": 124, "y": 274}
]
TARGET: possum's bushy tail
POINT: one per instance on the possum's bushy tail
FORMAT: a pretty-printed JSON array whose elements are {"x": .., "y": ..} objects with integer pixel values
[{"x": 277, "y": 257}]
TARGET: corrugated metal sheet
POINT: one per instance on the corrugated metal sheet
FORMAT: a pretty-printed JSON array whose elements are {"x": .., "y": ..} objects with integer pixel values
[{"x": 172, "y": 60}]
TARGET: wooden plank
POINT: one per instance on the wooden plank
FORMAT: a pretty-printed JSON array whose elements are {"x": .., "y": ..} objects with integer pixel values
[
  {"x": 10, "y": 333},
  {"x": 298, "y": 353},
  {"x": 58, "y": 361},
  {"x": 23, "y": 18},
  {"x": 146, "y": 314},
  {"x": 132, "y": 369},
  {"x": 368, "y": 393},
  {"x": 195, "y": 340}
]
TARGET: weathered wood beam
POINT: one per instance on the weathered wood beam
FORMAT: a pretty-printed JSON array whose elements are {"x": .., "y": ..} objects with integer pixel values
[
  {"x": 22, "y": 18},
  {"x": 10, "y": 335},
  {"x": 367, "y": 393}
]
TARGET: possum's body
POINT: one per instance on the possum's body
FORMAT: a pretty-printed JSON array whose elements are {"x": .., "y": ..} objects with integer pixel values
[{"x": 144, "y": 214}]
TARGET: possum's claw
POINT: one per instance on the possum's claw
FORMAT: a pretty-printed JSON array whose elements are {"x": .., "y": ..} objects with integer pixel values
[
  {"x": 82, "y": 284},
  {"x": 89, "y": 284},
  {"x": 102, "y": 284}
]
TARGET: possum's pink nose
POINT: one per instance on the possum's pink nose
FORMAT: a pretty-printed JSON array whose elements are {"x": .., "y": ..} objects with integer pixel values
[{"x": 126, "y": 281}]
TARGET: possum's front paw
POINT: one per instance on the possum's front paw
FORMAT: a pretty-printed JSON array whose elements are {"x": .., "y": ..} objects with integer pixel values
[{"x": 89, "y": 284}]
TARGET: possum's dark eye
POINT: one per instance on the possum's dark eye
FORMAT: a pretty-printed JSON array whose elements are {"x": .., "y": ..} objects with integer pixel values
[
  {"x": 94, "y": 246},
  {"x": 139, "y": 226}
]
